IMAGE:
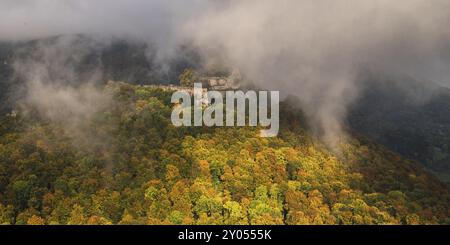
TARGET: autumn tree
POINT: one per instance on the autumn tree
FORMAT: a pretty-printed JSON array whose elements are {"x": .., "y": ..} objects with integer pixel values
[{"x": 188, "y": 77}]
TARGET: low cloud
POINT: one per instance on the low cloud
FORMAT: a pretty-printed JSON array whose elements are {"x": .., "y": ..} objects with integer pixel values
[{"x": 312, "y": 49}]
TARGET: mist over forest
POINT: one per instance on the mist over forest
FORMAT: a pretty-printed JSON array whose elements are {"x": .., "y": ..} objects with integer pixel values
[{"x": 364, "y": 138}]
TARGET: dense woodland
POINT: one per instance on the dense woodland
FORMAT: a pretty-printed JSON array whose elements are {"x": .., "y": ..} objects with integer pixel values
[
  {"x": 129, "y": 165},
  {"x": 412, "y": 118}
]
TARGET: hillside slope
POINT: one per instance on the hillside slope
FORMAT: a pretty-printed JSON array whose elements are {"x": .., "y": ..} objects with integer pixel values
[
  {"x": 407, "y": 116},
  {"x": 73, "y": 58},
  {"x": 128, "y": 165}
]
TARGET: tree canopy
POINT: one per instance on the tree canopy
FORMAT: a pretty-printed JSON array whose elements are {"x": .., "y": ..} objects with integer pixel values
[{"x": 143, "y": 170}]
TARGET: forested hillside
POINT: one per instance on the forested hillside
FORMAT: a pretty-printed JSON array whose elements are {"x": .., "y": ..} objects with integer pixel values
[
  {"x": 407, "y": 116},
  {"x": 127, "y": 164},
  {"x": 74, "y": 58}
]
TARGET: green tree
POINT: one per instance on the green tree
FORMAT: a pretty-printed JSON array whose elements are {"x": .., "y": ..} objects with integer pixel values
[
  {"x": 77, "y": 216},
  {"x": 188, "y": 77}
]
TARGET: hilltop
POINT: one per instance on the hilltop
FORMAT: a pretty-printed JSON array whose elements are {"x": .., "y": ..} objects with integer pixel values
[
  {"x": 406, "y": 116},
  {"x": 127, "y": 164}
]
